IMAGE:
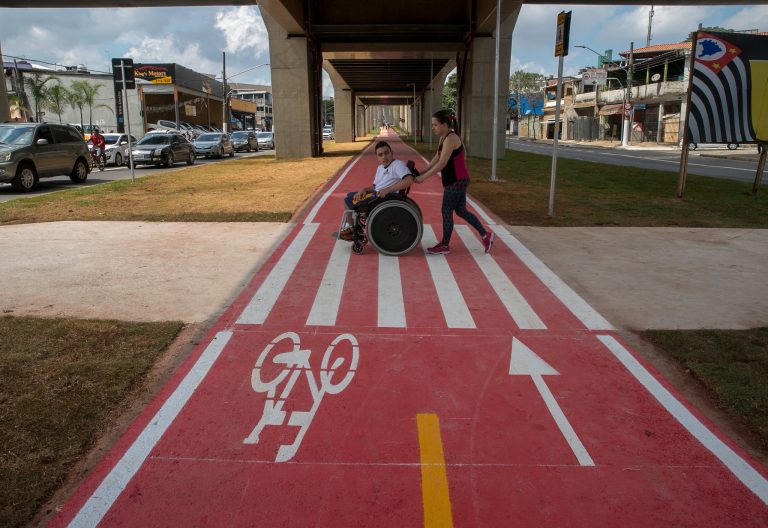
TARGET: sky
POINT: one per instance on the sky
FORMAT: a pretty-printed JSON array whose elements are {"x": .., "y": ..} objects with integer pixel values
[{"x": 195, "y": 37}]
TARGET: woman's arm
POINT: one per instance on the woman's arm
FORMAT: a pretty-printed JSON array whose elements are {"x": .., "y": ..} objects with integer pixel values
[{"x": 450, "y": 144}]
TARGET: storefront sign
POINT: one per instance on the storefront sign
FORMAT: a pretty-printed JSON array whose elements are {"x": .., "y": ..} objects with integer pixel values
[{"x": 155, "y": 73}]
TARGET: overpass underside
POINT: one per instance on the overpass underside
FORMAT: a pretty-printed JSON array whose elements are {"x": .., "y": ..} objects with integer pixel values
[{"x": 386, "y": 61}]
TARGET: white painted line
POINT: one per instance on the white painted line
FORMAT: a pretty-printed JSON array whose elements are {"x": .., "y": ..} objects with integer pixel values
[
  {"x": 452, "y": 302},
  {"x": 325, "y": 309},
  {"x": 265, "y": 298},
  {"x": 311, "y": 216},
  {"x": 562, "y": 422},
  {"x": 737, "y": 465},
  {"x": 509, "y": 295},
  {"x": 578, "y": 306},
  {"x": 479, "y": 210},
  {"x": 391, "y": 304},
  {"x": 102, "y": 499}
]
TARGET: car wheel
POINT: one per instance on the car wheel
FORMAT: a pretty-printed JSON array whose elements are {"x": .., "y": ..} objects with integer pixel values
[
  {"x": 169, "y": 161},
  {"x": 118, "y": 160},
  {"x": 25, "y": 178},
  {"x": 232, "y": 154},
  {"x": 693, "y": 146},
  {"x": 191, "y": 159},
  {"x": 79, "y": 172},
  {"x": 733, "y": 146},
  {"x": 248, "y": 149}
]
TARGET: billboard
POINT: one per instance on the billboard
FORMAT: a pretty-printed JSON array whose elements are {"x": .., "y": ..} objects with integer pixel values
[{"x": 729, "y": 89}]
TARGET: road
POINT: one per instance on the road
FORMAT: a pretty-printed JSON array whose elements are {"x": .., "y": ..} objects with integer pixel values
[
  {"x": 423, "y": 390},
  {"x": 111, "y": 173},
  {"x": 665, "y": 160}
]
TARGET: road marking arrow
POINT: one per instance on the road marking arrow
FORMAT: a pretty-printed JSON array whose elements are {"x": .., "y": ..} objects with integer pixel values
[{"x": 524, "y": 362}]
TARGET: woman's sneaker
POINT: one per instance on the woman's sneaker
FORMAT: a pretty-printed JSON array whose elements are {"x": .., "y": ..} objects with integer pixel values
[
  {"x": 440, "y": 249},
  {"x": 488, "y": 241}
]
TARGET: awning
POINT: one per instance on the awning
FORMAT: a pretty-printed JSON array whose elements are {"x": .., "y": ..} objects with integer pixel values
[{"x": 611, "y": 109}]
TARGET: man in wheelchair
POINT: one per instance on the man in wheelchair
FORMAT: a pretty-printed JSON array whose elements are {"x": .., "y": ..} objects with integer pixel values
[{"x": 392, "y": 176}]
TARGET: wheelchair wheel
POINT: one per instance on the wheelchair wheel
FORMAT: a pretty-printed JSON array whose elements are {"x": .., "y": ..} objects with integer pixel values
[{"x": 394, "y": 227}]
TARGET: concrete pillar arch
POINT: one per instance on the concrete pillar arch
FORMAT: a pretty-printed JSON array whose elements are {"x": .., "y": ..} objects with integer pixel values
[
  {"x": 343, "y": 106},
  {"x": 475, "y": 68}
]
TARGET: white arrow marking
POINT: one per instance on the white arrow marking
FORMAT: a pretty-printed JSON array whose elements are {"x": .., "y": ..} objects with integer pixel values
[{"x": 524, "y": 362}]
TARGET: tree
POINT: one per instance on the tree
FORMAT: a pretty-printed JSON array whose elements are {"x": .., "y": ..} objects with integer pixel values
[
  {"x": 58, "y": 97},
  {"x": 87, "y": 93},
  {"x": 37, "y": 87},
  {"x": 328, "y": 111},
  {"x": 15, "y": 101},
  {"x": 523, "y": 83},
  {"x": 449, "y": 93},
  {"x": 76, "y": 101}
]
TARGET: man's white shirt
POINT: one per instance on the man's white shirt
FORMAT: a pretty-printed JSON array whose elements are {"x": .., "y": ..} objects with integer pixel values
[{"x": 390, "y": 175}]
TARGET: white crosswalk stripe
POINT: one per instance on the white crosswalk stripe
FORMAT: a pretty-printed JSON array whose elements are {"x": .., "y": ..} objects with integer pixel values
[
  {"x": 390, "y": 301},
  {"x": 391, "y": 306},
  {"x": 451, "y": 300},
  {"x": 326, "y": 306},
  {"x": 510, "y": 296}
]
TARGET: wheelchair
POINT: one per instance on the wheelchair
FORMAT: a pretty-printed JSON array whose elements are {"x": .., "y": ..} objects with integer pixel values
[{"x": 392, "y": 224}]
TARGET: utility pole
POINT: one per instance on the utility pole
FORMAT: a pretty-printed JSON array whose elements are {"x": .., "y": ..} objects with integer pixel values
[
  {"x": 628, "y": 98},
  {"x": 5, "y": 111},
  {"x": 224, "y": 103},
  {"x": 650, "y": 23}
]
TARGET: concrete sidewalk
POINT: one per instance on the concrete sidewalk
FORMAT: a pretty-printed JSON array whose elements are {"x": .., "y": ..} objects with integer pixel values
[{"x": 638, "y": 278}]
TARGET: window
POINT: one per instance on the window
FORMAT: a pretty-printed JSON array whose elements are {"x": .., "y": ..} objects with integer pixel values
[{"x": 45, "y": 133}]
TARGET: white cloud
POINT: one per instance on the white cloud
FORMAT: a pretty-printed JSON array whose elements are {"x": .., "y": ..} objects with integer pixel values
[
  {"x": 754, "y": 17},
  {"x": 242, "y": 28},
  {"x": 166, "y": 49}
]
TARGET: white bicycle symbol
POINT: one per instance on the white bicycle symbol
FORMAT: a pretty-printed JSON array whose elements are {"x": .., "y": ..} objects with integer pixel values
[{"x": 294, "y": 362}]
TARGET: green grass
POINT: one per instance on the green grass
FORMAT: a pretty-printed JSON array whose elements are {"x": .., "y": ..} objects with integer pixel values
[
  {"x": 63, "y": 382},
  {"x": 731, "y": 364},
  {"x": 594, "y": 194}
]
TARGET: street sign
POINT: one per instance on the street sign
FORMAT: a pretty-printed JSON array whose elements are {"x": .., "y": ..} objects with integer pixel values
[
  {"x": 563, "y": 34},
  {"x": 592, "y": 76},
  {"x": 117, "y": 73}
]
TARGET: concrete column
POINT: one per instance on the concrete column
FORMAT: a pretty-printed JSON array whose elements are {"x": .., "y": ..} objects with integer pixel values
[
  {"x": 5, "y": 110},
  {"x": 434, "y": 101},
  {"x": 292, "y": 99},
  {"x": 476, "y": 108},
  {"x": 343, "y": 106}
]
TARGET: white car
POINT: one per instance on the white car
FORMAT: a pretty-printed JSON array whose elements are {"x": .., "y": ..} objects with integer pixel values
[
  {"x": 328, "y": 133},
  {"x": 266, "y": 140},
  {"x": 117, "y": 146},
  {"x": 729, "y": 146}
]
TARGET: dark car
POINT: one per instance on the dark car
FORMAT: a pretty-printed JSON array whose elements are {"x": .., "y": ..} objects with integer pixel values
[
  {"x": 30, "y": 151},
  {"x": 214, "y": 144},
  {"x": 245, "y": 140},
  {"x": 163, "y": 148}
]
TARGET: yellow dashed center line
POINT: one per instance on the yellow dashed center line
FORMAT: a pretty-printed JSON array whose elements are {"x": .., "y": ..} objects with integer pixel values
[{"x": 434, "y": 481}]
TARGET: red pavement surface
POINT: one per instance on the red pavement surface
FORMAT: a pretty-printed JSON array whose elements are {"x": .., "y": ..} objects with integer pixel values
[{"x": 191, "y": 459}]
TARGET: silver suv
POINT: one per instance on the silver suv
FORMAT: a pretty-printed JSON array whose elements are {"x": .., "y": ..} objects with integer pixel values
[{"x": 30, "y": 151}]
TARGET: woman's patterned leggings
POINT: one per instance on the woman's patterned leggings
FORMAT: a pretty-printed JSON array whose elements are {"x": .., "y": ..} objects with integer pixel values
[{"x": 455, "y": 199}]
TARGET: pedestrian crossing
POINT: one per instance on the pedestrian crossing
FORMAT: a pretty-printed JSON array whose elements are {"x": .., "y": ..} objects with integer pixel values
[{"x": 467, "y": 287}]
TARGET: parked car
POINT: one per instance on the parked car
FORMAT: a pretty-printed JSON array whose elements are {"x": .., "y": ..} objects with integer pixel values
[
  {"x": 245, "y": 140},
  {"x": 30, "y": 151},
  {"x": 214, "y": 144},
  {"x": 328, "y": 133},
  {"x": 163, "y": 148},
  {"x": 730, "y": 146},
  {"x": 266, "y": 140},
  {"x": 183, "y": 128},
  {"x": 116, "y": 150}
]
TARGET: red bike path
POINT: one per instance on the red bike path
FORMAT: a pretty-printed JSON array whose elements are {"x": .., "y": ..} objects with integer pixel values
[{"x": 469, "y": 389}]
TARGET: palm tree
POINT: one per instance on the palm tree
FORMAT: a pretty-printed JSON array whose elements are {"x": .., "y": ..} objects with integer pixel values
[
  {"x": 76, "y": 100},
  {"x": 58, "y": 98},
  {"x": 87, "y": 92},
  {"x": 37, "y": 86}
]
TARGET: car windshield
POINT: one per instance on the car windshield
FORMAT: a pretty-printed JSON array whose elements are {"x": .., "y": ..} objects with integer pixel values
[
  {"x": 17, "y": 135},
  {"x": 111, "y": 139},
  {"x": 155, "y": 139},
  {"x": 209, "y": 137},
  {"x": 240, "y": 135},
  {"x": 264, "y": 135}
]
